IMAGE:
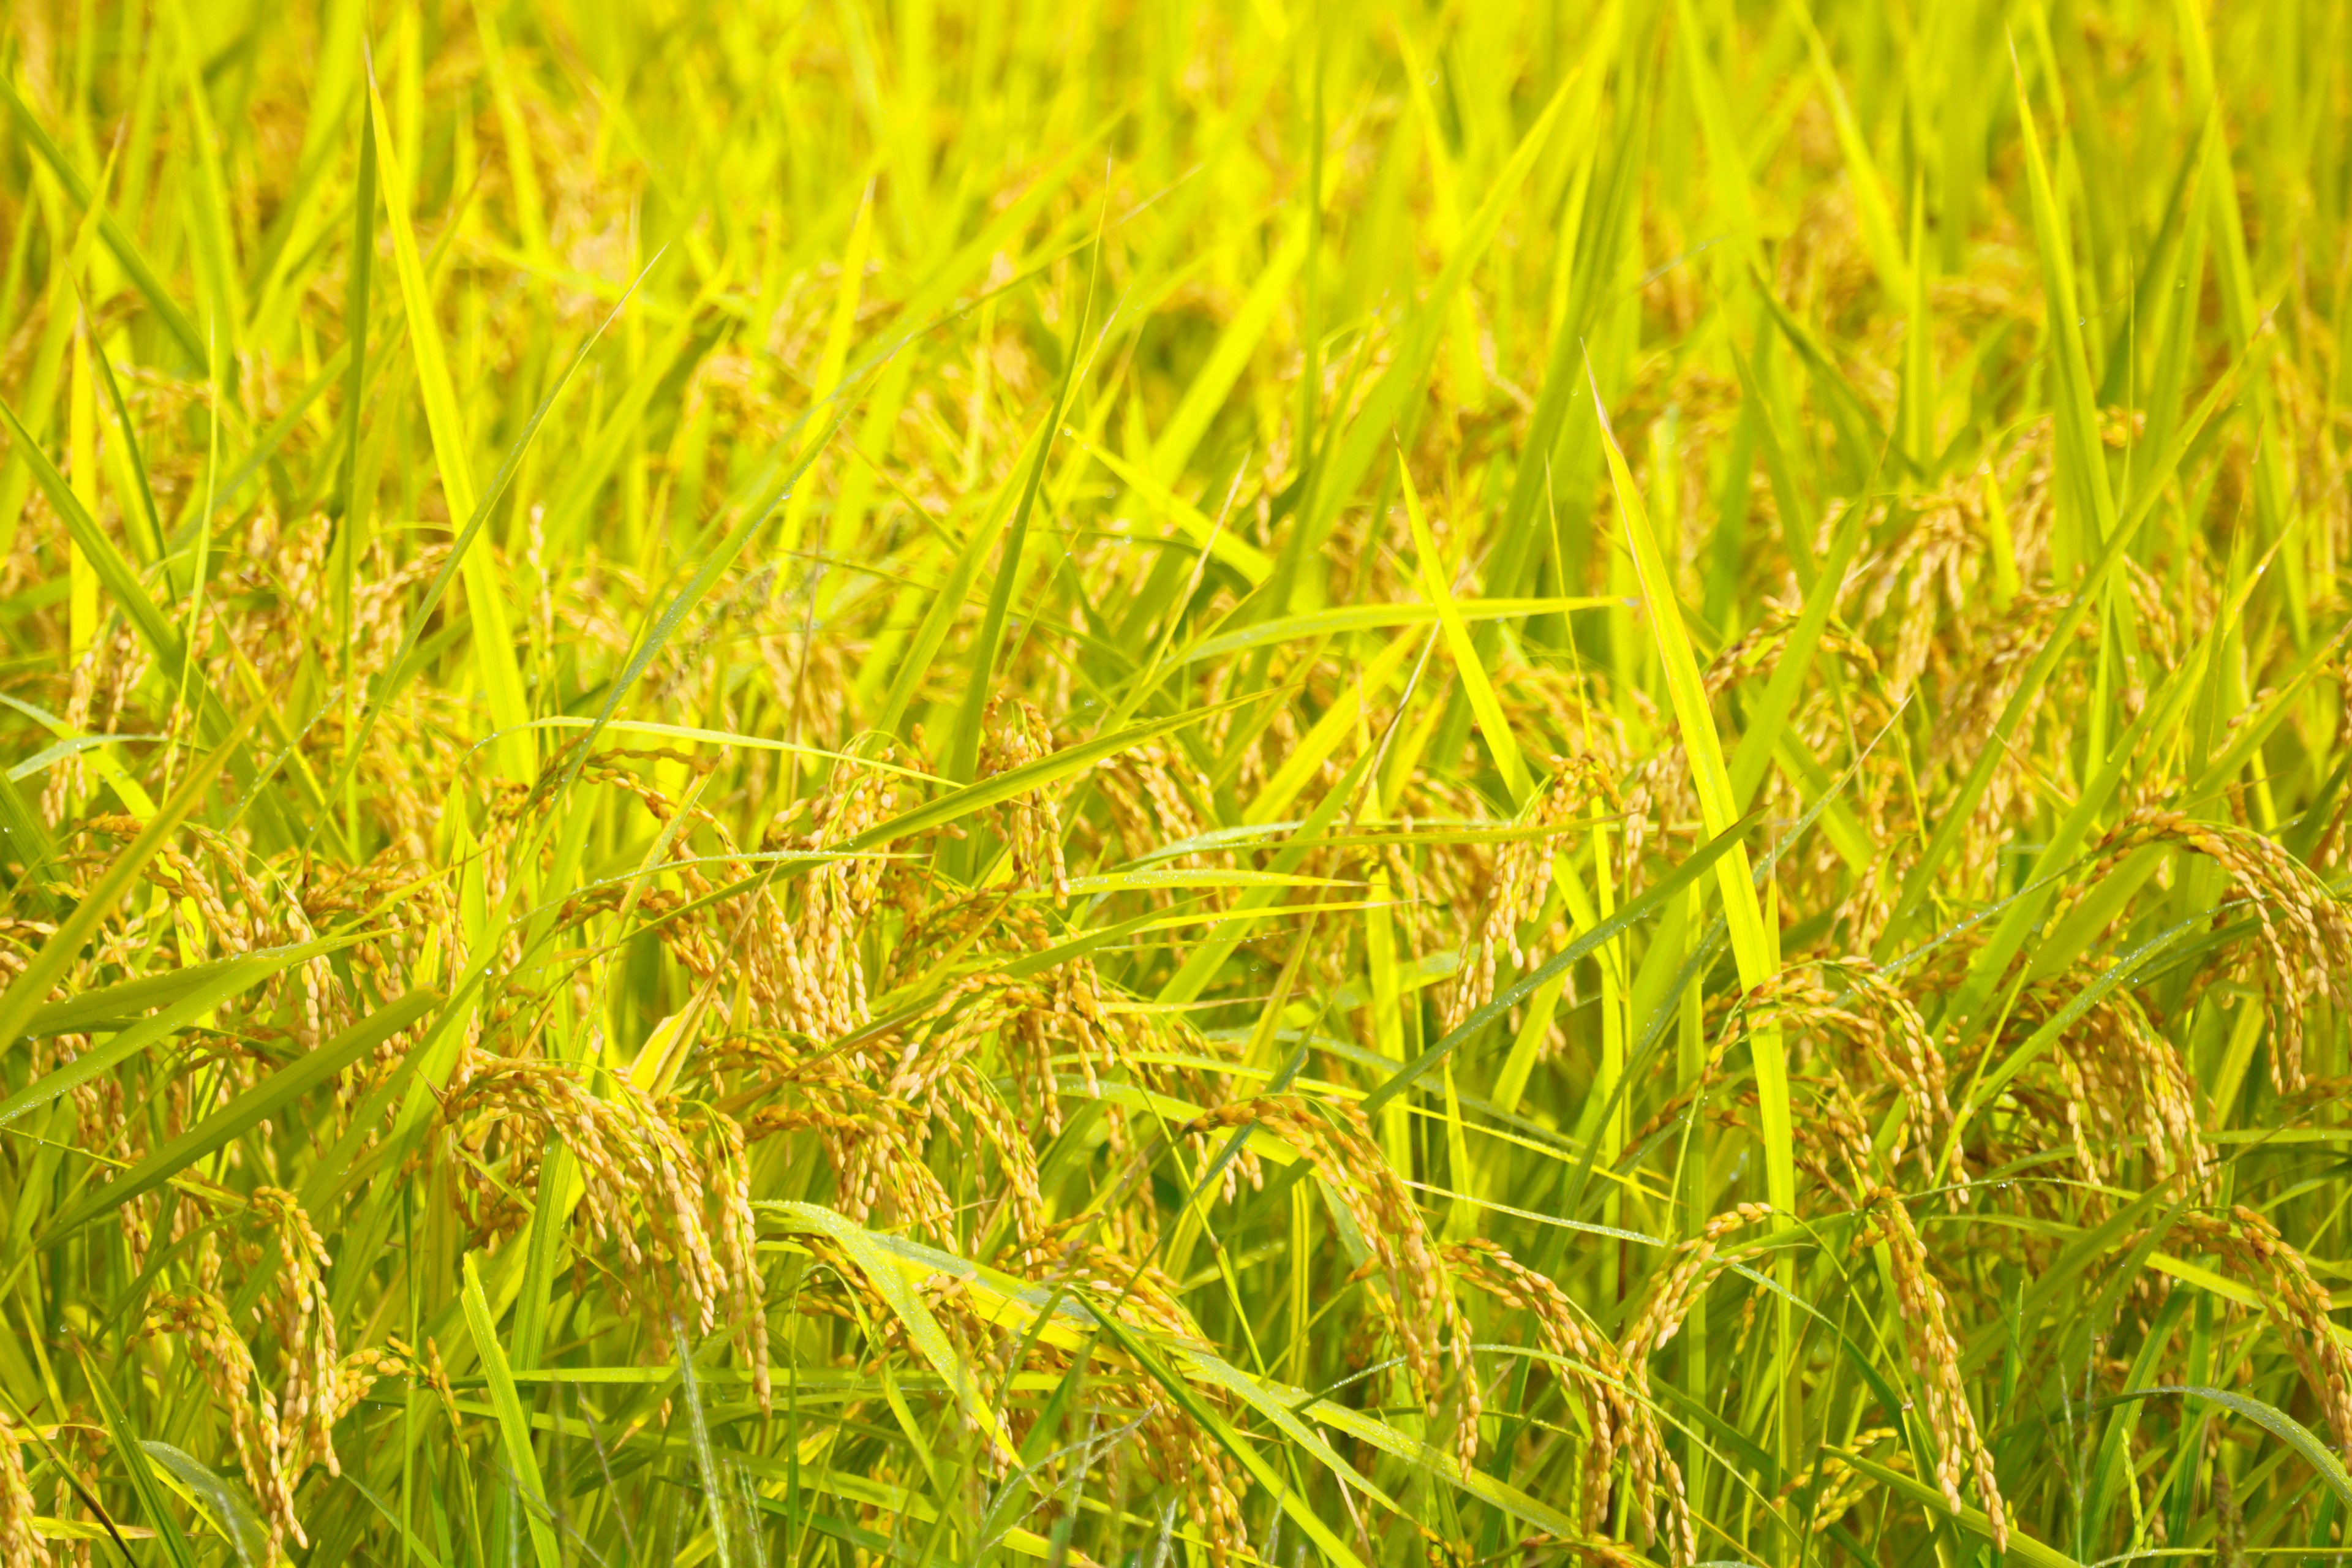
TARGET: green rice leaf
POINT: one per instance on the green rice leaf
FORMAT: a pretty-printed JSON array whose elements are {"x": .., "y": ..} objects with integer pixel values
[{"x": 271, "y": 1096}]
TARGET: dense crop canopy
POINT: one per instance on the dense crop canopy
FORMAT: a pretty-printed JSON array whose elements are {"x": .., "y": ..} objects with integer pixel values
[{"x": 1144, "y": 782}]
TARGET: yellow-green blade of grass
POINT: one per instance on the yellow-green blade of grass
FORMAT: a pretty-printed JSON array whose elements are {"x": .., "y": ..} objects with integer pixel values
[
  {"x": 1296, "y": 1509},
  {"x": 232, "y": 1511},
  {"x": 2241, "y": 308},
  {"x": 2156, "y": 720},
  {"x": 827, "y": 383},
  {"x": 207, "y": 208},
  {"x": 2023, "y": 1548},
  {"x": 1206, "y": 392},
  {"x": 1202, "y": 965},
  {"x": 922, "y": 1328},
  {"x": 404, "y": 664},
  {"x": 126, "y": 254},
  {"x": 514, "y": 1425},
  {"x": 485, "y": 594},
  {"x": 1339, "y": 721},
  {"x": 1238, "y": 553},
  {"x": 963, "y": 740},
  {"x": 1484, "y": 704},
  {"x": 1751, "y": 946},
  {"x": 673, "y": 356},
  {"x": 1045, "y": 771},
  {"x": 2279, "y": 1424},
  {"x": 1713, "y": 854},
  {"x": 1871, "y": 206},
  {"x": 1960, "y": 805},
  {"x": 522, "y": 172},
  {"x": 751, "y": 511},
  {"x": 915, "y": 662},
  {"x": 213, "y": 985},
  {"x": 1766, "y": 723},
  {"x": 1406, "y": 375},
  {"x": 242, "y": 1114},
  {"x": 115, "y": 575},
  {"x": 1342, "y": 618},
  {"x": 97, "y": 752},
  {"x": 56, "y": 955},
  {"x": 2080, "y": 451},
  {"x": 114, "y": 1007},
  {"x": 128, "y": 1451}
]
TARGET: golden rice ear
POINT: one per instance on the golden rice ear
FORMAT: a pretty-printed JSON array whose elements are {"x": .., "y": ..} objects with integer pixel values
[
  {"x": 1935, "y": 1359},
  {"x": 20, "y": 1545},
  {"x": 2292, "y": 1297},
  {"x": 200, "y": 1322},
  {"x": 686, "y": 1243},
  {"x": 1418, "y": 1302},
  {"x": 2306, "y": 929}
]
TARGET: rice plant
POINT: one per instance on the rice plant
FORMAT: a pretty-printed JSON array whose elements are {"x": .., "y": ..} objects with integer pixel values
[{"x": 1174, "y": 782}]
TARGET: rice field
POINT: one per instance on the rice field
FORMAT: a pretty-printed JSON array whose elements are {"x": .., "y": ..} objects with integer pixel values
[{"x": 1174, "y": 784}]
